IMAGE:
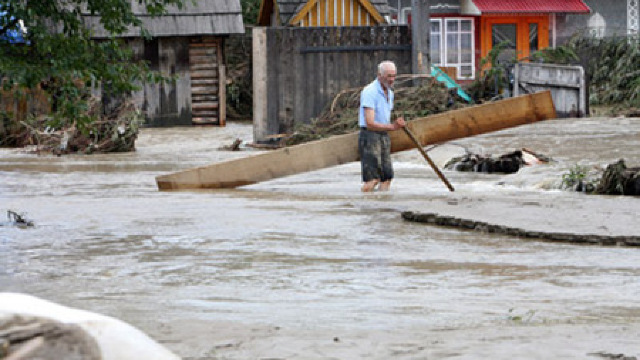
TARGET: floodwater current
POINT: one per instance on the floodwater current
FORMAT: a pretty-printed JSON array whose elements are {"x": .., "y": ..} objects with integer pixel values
[{"x": 307, "y": 267}]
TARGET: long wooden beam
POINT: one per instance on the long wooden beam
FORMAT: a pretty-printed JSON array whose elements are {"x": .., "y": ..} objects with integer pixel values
[{"x": 342, "y": 149}]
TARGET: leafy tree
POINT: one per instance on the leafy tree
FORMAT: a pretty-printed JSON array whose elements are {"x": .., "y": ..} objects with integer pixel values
[
  {"x": 250, "y": 9},
  {"x": 67, "y": 62}
]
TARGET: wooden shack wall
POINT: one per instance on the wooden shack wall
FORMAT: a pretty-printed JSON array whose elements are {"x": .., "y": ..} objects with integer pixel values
[
  {"x": 16, "y": 106},
  {"x": 304, "y": 68},
  {"x": 168, "y": 103}
]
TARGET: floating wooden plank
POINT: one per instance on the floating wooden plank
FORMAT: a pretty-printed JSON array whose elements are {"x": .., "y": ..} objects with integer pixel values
[{"x": 342, "y": 149}]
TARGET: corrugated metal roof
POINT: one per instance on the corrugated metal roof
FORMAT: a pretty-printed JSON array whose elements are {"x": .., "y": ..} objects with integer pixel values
[
  {"x": 202, "y": 17},
  {"x": 531, "y": 6}
]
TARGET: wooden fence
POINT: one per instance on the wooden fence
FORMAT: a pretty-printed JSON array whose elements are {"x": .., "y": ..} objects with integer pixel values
[
  {"x": 297, "y": 71},
  {"x": 566, "y": 83}
]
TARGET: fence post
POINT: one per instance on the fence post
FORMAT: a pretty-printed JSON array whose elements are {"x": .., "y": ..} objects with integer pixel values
[
  {"x": 259, "y": 48},
  {"x": 420, "y": 32}
]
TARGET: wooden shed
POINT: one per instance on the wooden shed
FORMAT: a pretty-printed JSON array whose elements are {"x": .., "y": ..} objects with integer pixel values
[
  {"x": 188, "y": 44},
  {"x": 315, "y": 13}
]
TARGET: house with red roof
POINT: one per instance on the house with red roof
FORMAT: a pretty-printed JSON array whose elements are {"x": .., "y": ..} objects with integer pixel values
[{"x": 464, "y": 31}]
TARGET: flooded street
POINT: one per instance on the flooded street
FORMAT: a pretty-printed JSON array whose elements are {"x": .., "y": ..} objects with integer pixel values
[{"x": 307, "y": 267}]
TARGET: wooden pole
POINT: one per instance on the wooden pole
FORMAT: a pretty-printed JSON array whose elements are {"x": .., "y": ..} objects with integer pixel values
[{"x": 426, "y": 157}]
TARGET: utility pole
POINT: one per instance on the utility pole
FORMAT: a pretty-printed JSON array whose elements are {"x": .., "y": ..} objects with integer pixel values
[{"x": 420, "y": 33}]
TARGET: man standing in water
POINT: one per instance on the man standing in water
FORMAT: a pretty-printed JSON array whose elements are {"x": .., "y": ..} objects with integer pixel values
[{"x": 374, "y": 145}]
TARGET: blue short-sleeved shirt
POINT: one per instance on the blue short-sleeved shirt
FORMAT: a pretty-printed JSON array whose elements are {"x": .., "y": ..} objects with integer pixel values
[{"x": 372, "y": 96}]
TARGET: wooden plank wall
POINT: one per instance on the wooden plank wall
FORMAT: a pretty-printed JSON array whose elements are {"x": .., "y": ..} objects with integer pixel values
[
  {"x": 306, "y": 67},
  {"x": 193, "y": 96},
  {"x": 18, "y": 105},
  {"x": 206, "y": 67},
  {"x": 165, "y": 103}
]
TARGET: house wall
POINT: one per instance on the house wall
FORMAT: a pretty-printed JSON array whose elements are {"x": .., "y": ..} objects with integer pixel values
[
  {"x": 607, "y": 18},
  {"x": 165, "y": 104}
]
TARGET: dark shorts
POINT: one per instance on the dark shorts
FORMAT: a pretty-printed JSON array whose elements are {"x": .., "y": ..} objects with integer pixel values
[{"x": 375, "y": 155}]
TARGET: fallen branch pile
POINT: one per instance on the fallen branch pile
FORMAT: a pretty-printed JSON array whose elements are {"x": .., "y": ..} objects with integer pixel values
[
  {"x": 115, "y": 131},
  {"x": 341, "y": 115}
]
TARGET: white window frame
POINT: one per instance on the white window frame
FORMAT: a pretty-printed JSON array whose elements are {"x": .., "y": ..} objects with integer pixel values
[
  {"x": 459, "y": 63},
  {"x": 439, "y": 21},
  {"x": 444, "y": 47}
]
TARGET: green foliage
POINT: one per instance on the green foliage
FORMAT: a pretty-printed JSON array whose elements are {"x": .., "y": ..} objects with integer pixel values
[
  {"x": 239, "y": 77},
  {"x": 67, "y": 62},
  {"x": 576, "y": 175},
  {"x": 493, "y": 78},
  {"x": 611, "y": 66},
  {"x": 559, "y": 55},
  {"x": 250, "y": 9},
  {"x": 581, "y": 178},
  {"x": 614, "y": 74}
]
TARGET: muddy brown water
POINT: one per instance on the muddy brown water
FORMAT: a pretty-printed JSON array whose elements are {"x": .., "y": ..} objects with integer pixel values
[{"x": 307, "y": 267}]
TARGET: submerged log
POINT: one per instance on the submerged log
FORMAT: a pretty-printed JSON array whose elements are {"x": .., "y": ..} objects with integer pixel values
[
  {"x": 342, "y": 149},
  {"x": 471, "y": 224}
]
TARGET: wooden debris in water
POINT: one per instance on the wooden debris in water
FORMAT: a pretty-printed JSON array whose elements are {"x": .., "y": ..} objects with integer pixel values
[
  {"x": 507, "y": 163},
  {"x": 617, "y": 179},
  {"x": 115, "y": 131},
  {"x": 235, "y": 146},
  {"x": 482, "y": 226},
  {"x": 18, "y": 219}
]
